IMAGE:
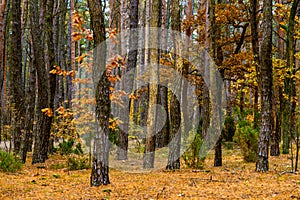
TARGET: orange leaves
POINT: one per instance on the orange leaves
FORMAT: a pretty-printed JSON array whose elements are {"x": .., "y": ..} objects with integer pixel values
[
  {"x": 77, "y": 20},
  {"x": 76, "y": 36},
  {"x": 61, "y": 72},
  {"x": 133, "y": 96},
  {"x": 113, "y": 68},
  {"x": 81, "y": 32},
  {"x": 47, "y": 111},
  {"x": 80, "y": 58}
]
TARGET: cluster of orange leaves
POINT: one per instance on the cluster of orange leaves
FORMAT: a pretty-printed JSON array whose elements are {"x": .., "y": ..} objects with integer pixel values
[
  {"x": 57, "y": 70},
  {"x": 80, "y": 32},
  {"x": 48, "y": 112}
]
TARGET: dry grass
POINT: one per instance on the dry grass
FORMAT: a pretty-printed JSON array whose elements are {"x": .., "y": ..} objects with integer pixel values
[{"x": 235, "y": 180}]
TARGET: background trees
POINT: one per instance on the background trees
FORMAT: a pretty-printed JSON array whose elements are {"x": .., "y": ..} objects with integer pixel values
[{"x": 45, "y": 60}]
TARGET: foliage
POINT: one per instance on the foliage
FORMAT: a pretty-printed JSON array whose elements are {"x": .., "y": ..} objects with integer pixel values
[
  {"x": 192, "y": 157},
  {"x": 247, "y": 138},
  {"x": 9, "y": 163},
  {"x": 78, "y": 162},
  {"x": 229, "y": 129},
  {"x": 67, "y": 148}
]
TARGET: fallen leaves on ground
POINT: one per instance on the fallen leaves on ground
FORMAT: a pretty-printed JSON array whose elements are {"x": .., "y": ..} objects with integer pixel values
[{"x": 235, "y": 180}]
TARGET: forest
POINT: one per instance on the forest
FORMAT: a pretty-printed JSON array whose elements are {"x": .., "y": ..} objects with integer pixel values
[{"x": 149, "y": 99}]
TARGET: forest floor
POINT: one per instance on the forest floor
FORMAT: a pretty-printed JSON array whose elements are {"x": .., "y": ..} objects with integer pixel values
[{"x": 234, "y": 180}]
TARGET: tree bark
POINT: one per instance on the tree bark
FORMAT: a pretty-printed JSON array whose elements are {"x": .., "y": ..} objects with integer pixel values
[
  {"x": 41, "y": 139},
  {"x": 129, "y": 79},
  {"x": 100, "y": 164},
  {"x": 266, "y": 128},
  {"x": 148, "y": 160},
  {"x": 2, "y": 56},
  {"x": 175, "y": 112},
  {"x": 17, "y": 91}
]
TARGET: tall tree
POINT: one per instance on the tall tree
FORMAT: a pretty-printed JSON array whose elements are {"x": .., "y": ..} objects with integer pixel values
[
  {"x": 289, "y": 105},
  {"x": 2, "y": 55},
  {"x": 100, "y": 168},
  {"x": 129, "y": 79},
  {"x": 17, "y": 89},
  {"x": 38, "y": 10},
  {"x": 153, "y": 88},
  {"x": 266, "y": 128},
  {"x": 175, "y": 113}
]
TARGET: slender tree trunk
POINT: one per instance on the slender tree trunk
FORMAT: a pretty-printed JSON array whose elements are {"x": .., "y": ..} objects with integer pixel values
[
  {"x": 100, "y": 164},
  {"x": 175, "y": 112},
  {"x": 153, "y": 89},
  {"x": 266, "y": 128},
  {"x": 42, "y": 136},
  {"x": 2, "y": 57},
  {"x": 129, "y": 79},
  {"x": 17, "y": 91}
]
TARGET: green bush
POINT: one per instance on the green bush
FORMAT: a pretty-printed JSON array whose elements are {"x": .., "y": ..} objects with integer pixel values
[
  {"x": 191, "y": 156},
  {"x": 229, "y": 129},
  {"x": 9, "y": 163},
  {"x": 67, "y": 148},
  {"x": 76, "y": 162},
  {"x": 247, "y": 138}
]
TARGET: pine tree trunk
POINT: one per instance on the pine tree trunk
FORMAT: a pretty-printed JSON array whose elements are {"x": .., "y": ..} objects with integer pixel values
[
  {"x": 42, "y": 136},
  {"x": 129, "y": 79},
  {"x": 148, "y": 160},
  {"x": 100, "y": 164},
  {"x": 2, "y": 57},
  {"x": 17, "y": 91},
  {"x": 175, "y": 112},
  {"x": 266, "y": 128}
]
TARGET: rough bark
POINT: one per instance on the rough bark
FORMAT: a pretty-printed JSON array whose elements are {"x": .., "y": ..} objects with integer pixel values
[
  {"x": 100, "y": 164},
  {"x": 2, "y": 56},
  {"x": 175, "y": 113},
  {"x": 162, "y": 138},
  {"x": 17, "y": 89},
  {"x": 131, "y": 66},
  {"x": 42, "y": 136},
  {"x": 266, "y": 128},
  {"x": 148, "y": 160}
]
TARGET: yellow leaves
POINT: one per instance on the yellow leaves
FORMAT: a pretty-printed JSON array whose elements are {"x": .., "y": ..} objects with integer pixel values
[
  {"x": 250, "y": 118},
  {"x": 47, "y": 111},
  {"x": 60, "y": 110},
  {"x": 133, "y": 96},
  {"x": 114, "y": 123},
  {"x": 80, "y": 58}
]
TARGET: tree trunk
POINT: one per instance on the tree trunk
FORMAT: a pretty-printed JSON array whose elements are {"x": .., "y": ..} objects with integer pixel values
[
  {"x": 148, "y": 161},
  {"x": 175, "y": 112},
  {"x": 129, "y": 79},
  {"x": 17, "y": 91},
  {"x": 100, "y": 164},
  {"x": 162, "y": 138},
  {"x": 2, "y": 56},
  {"x": 266, "y": 128},
  {"x": 41, "y": 139}
]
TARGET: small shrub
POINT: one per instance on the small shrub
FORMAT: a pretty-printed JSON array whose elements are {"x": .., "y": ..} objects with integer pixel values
[
  {"x": 247, "y": 138},
  {"x": 229, "y": 129},
  {"x": 9, "y": 163},
  {"x": 76, "y": 162},
  {"x": 57, "y": 166},
  {"x": 192, "y": 157},
  {"x": 67, "y": 148}
]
